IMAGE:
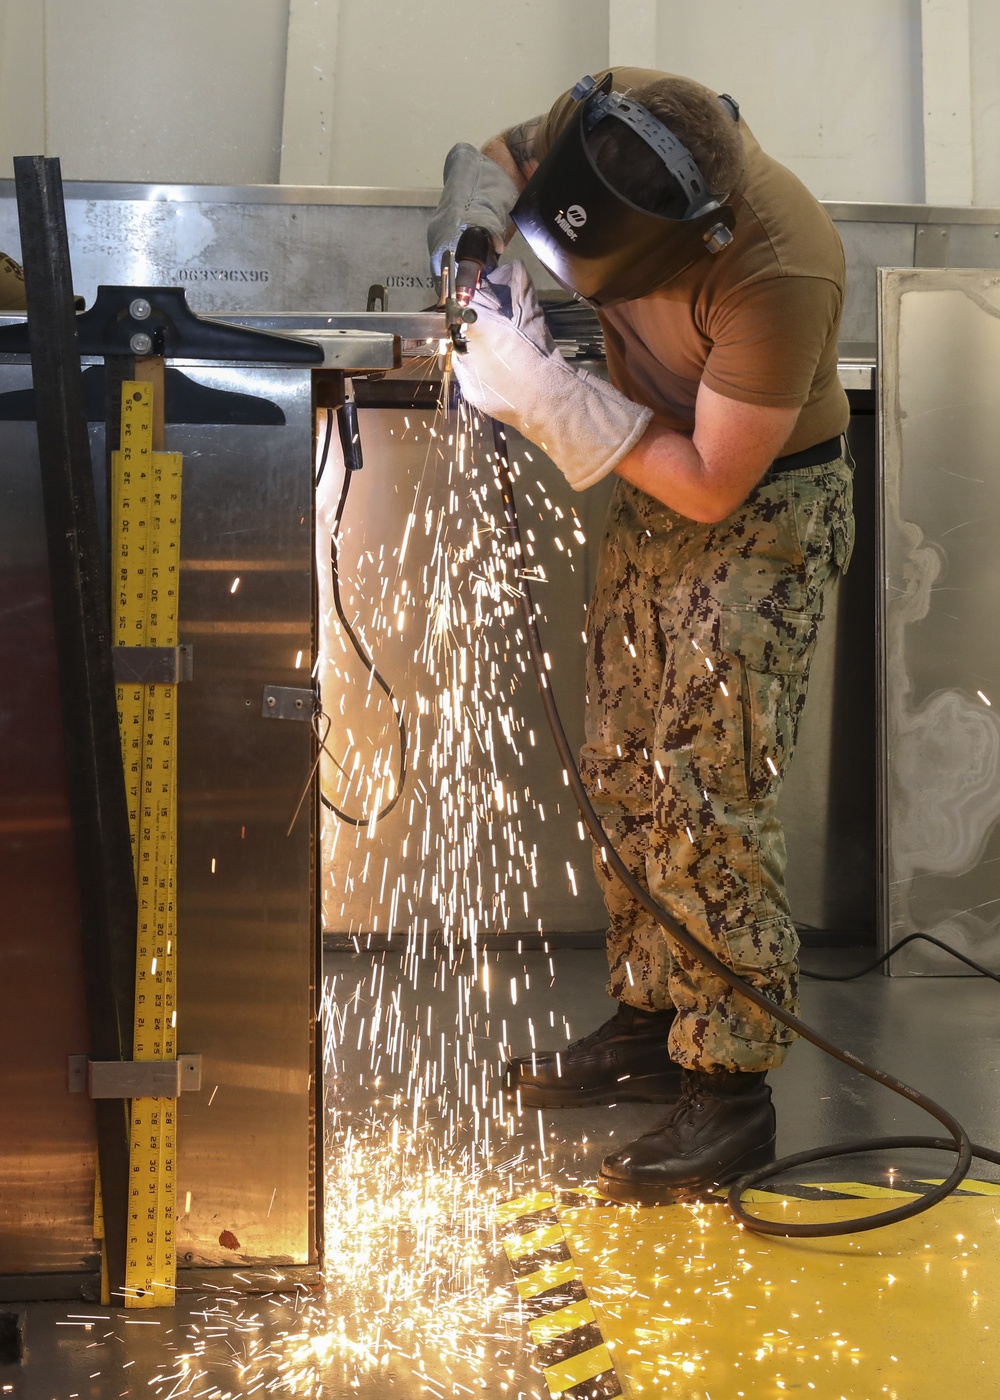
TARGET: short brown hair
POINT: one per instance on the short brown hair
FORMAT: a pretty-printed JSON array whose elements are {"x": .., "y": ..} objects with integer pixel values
[{"x": 697, "y": 118}]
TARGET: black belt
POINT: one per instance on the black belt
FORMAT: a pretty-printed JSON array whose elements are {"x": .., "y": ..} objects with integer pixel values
[{"x": 827, "y": 451}]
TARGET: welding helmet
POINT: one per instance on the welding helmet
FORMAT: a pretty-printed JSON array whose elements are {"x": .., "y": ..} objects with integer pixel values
[{"x": 594, "y": 239}]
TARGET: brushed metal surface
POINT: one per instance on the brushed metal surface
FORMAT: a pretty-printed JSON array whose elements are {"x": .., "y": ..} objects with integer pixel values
[
  {"x": 404, "y": 472},
  {"x": 252, "y": 254},
  {"x": 850, "y": 211},
  {"x": 378, "y": 196},
  {"x": 47, "y": 1138},
  {"x": 940, "y": 762},
  {"x": 273, "y": 248},
  {"x": 246, "y": 887},
  {"x": 869, "y": 245}
]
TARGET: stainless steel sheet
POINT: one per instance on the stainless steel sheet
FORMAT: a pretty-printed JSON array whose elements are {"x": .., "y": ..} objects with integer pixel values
[
  {"x": 407, "y": 872},
  {"x": 246, "y": 885},
  {"x": 47, "y": 1140},
  {"x": 241, "y": 250},
  {"x": 940, "y": 597},
  {"x": 276, "y": 248}
]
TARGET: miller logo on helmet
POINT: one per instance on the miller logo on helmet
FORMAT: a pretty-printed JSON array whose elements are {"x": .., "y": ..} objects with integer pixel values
[{"x": 563, "y": 221}]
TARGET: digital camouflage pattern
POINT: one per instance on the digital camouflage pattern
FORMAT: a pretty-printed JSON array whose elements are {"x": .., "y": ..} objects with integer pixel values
[{"x": 700, "y": 639}]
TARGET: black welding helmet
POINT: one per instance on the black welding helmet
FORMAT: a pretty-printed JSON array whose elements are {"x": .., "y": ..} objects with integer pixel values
[{"x": 594, "y": 239}]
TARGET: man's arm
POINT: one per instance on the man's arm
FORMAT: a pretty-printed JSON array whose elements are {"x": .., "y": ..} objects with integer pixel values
[
  {"x": 706, "y": 476},
  {"x": 514, "y": 151}
]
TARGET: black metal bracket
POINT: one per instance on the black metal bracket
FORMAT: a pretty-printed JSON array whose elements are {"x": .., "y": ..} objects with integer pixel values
[
  {"x": 158, "y": 321},
  {"x": 98, "y": 807}
]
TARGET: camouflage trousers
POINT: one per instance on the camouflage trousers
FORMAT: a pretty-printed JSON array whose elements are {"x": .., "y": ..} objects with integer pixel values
[{"x": 699, "y": 644}]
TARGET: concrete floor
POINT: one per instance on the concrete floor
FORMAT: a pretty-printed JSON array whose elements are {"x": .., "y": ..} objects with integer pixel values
[{"x": 420, "y": 1300}]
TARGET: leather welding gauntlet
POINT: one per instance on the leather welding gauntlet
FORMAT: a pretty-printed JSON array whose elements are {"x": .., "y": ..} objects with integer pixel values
[
  {"x": 476, "y": 194},
  {"x": 513, "y": 371}
]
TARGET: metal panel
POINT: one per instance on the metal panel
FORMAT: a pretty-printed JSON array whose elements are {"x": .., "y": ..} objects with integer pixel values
[
  {"x": 405, "y": 473},
  {"x": 263, "y": 248},
  {"x": 939, "y": 366},
  {"x": 245, "y": 886},
  {"x": 47, "y": 1141},
  {"x": 975, "y": 245},
  {"x": 250, "y": 254},
  {"x": 246, "y": 904},
  {"x": 869, "y": 245}
]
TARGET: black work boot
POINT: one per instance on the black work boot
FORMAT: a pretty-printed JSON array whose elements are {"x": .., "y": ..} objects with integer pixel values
[
  {"x": 721, "y": 1126},
  {"x": 626, "y": 1058}
]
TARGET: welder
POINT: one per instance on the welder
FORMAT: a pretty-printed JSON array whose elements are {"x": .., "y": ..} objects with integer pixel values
[{"x": 719, "y": 283}]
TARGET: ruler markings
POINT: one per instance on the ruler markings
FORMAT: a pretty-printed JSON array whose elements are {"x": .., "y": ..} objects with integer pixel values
[{"x": 146, "y": 497}]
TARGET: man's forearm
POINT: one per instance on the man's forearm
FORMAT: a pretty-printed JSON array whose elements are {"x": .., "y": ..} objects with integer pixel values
[
  {"x": 707, "y": 475},
  {"x": 667, "y": 466},
  {"x": 514, "y": 151}
]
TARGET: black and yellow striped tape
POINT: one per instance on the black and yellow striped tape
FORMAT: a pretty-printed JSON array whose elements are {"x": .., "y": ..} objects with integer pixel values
[{"x": 573, "y": 1355}]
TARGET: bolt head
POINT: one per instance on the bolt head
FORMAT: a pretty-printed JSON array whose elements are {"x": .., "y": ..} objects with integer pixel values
[
  {"x": 140, "y": 309},
  {"x": 141, "y": 343}
]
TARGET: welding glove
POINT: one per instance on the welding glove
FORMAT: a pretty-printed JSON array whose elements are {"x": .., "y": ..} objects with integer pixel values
[
  {"x": 512, "y": 371},
  {"x": 476, "y": 194}
]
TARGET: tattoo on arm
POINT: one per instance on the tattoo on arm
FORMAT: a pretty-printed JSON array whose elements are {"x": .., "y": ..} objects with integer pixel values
[{"x": 521, "y": 143}]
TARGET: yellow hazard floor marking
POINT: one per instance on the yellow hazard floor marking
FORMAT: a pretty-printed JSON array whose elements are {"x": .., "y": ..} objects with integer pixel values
[
  {"x": 691, "y": 1306},
  {"x": 551, "y": 1325},
  {"x": 508, "y": 1211},
  {"x": 977, "y": 1188},
  {"x": 534, "y": 1240},
  {"x": 548, "y": 1276},
  {"x": 146, "y": 487},
  {"x": 561, "y": 1321},
  {"x": 866, "y": 1191},
  {"x": 576, "y": 1369}
]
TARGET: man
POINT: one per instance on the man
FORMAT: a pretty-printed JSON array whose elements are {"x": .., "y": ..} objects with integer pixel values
[
  {"x": 11, "y": 284},
  {"x": 719, "y": 282}
]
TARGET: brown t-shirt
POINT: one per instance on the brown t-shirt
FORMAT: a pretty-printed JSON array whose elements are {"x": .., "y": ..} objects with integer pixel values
[
  {"x": 11, "y": 284},
  {"x": 756, "y": 322}
]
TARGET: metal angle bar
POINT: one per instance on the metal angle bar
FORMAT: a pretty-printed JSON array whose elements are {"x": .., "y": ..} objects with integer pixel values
[
  {"x": 153, "y": 665},
  {"x": 134, "y": 1079},
  {"x": 104, "y": 876}
]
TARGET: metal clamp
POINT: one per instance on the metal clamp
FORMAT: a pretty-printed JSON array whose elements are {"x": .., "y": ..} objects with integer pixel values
[
  {"x": 134, "y": 1079},
  {"x": 288, "y": 702},
  {"x": 153, "y": 665}
]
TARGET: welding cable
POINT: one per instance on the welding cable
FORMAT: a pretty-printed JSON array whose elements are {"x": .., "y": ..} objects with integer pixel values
[
  {"x": 958, "y": 1140},
  {"x": 352, "y": 463},
  {"x": 898, "y": 948}
]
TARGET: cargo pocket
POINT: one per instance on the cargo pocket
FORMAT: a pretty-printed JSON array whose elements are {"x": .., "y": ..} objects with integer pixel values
[
  {"x": 843, "y": 537},
  {"x": 744, "y": 744},
  {"x": 824, "y": 520},
  {"x": 763, "y": 954}
]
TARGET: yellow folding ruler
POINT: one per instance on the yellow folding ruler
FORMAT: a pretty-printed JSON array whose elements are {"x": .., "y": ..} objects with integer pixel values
[{"x": 145, "y": 525}]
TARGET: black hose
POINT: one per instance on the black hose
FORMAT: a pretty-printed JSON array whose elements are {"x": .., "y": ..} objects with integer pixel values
[
  {"x": 898, "y": 948},
  {"x": 958, "y": 1141},
  {"x": 352, "y": 463}
]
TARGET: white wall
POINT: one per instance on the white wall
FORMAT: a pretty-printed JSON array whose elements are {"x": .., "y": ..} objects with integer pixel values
[
  {"x": 413, "y": 78},
  {"x": 174, "y": 90},
  {"x": 831, "y": 90},
  {"x": 373, "y": 92},
  {"x": 985, "y": 45}
]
